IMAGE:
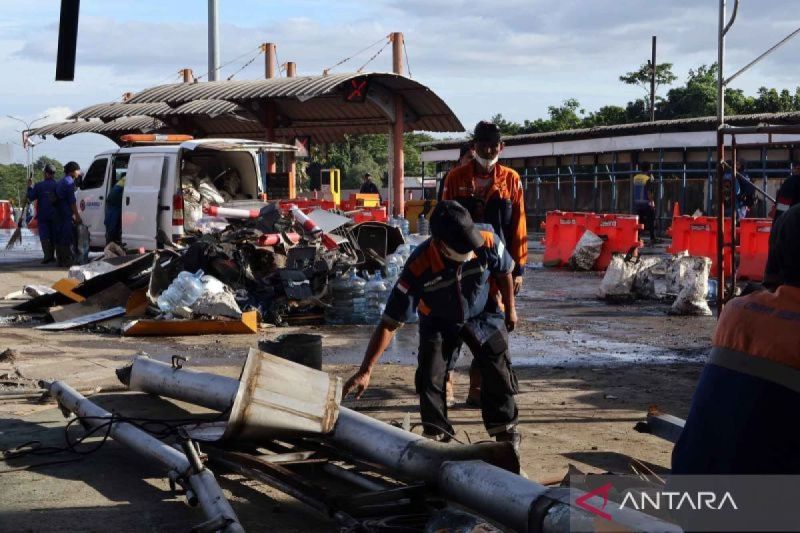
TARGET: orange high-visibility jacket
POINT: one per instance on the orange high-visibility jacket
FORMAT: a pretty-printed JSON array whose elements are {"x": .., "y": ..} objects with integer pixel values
[{"x": 503, "y": 206}]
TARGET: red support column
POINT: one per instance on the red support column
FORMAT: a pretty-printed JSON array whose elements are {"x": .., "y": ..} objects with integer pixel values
[{"x": 398, "y": 180}]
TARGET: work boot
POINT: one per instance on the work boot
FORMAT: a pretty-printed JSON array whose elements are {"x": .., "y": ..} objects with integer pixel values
[
  {"x": 474, "y": 394},
  {"x": 450, "y": 397},
  {"x": 513, "y": 436},
  {"x": 49, "y": 250}
]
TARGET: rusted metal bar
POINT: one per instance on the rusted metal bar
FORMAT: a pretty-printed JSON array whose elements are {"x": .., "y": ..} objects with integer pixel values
[
  {"x": 734, "y": 216},
  {"x": 720, "y": 223}
]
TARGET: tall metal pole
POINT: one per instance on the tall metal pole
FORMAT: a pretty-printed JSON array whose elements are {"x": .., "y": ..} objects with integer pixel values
[
  {"x": 291, "y": 69},
  {"x": 397, "y": 130},
  {"x": 653, "y": 83},
  {"x": 213, "y": 39},
  {"x": 720, "y": 158}
]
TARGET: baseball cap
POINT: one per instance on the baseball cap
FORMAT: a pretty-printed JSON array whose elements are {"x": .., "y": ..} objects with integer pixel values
[
  {"x": 486, "y": 131},
  {"x": 451, "y": 223}
]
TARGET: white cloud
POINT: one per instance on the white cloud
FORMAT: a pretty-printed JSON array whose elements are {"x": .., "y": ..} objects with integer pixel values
[{"x": 515, "y": 57}]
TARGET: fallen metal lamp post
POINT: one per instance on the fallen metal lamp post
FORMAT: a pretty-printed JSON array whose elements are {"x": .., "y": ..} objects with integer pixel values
[
  {"x": 463, "y": 473},
  {"x": 199, "y": 482},
  {"x": 400, "y": 451}
]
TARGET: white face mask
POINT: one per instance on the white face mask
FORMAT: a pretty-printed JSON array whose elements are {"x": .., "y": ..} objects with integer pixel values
[
  {"x": 453, "y": 255},
  {"x": 487, "y": 164}
]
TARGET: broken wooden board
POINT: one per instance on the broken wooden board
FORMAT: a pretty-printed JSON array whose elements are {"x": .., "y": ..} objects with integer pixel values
[
  {"x": 65, "y": 287},
  {"x": 114, "y": 296},
  {"x": 83, "y": 320},
  {"x": 147, "y": 327},
  {"x": 137, "y": 303}
]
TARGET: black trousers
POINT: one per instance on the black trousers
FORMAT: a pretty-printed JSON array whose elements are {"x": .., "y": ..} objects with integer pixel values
[
  {"x": 647, "y": 216},
  {"x": 487, "y": 338}
]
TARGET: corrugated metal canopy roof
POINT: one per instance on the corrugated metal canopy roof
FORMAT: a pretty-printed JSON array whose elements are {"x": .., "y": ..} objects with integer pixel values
[
  {"x": 637, "y": 128},
  {"x": 113, "y": 129},
  {"x": 304, "y": 105}
]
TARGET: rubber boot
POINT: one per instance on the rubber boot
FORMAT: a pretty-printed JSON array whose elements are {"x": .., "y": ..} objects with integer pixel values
[
  {"x": 474, "y": 395},
  {"x": 49, "y": 251}
]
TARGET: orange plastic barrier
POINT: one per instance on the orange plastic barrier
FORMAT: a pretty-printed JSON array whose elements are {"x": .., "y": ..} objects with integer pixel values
[
  {"x": 562, "y": 231},
  {"x": 753, "y": 247},
  {"x": 699, "y": 237},
  {"x": 370, "y": 214},
  {"x": 33, "y": 224},
  {"x": 6, "y": 215},
  {"x": 619, "y": 232}
]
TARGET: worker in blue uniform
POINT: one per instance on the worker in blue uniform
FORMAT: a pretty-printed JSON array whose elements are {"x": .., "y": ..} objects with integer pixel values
[
  {"x": 44, "y": 194},
  {"x": 67, "y": 213},
  {"x": 447, "y": 281},
  {"x": 743, "y": 413}
]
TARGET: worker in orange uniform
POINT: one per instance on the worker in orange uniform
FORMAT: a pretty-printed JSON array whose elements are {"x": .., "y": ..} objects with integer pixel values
[
  {"x": 493, "y": 195},
  {"x": 741, "y": 420}
]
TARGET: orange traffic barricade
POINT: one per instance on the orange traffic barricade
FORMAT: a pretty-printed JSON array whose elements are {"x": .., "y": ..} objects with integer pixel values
[
  {"x": 698, "y": 236},
  {"x": 6, "y": 215},
  {"x": 753, "y": 247},
  {"x": 562, "y": 231},
  {"x": 620, "y": 233}
]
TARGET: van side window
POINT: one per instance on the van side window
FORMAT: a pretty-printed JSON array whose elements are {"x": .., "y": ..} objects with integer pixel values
[
  {"x": 96, "y": 175},
  {"x": 119, "y": 168}
]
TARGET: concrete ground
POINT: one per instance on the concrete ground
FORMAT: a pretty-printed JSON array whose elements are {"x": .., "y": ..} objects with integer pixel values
[{"x": 588, "y": 372}]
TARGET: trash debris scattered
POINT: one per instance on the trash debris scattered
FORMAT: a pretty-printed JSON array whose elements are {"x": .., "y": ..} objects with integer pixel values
[
  {"x": 587, "y": 250},
  {"x": 691, "y": 299},
  {"x": 8, "y": 356}
]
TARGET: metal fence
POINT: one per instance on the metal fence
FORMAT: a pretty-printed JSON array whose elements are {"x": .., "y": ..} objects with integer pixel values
[{"x": 607, "y": 188}]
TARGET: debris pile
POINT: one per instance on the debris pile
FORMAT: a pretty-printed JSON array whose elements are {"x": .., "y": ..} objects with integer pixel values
[{"x": 235, "y": 269}]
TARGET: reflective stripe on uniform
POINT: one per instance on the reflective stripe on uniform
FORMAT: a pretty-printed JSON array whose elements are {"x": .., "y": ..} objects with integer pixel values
[{"x": 759, "y": 367}]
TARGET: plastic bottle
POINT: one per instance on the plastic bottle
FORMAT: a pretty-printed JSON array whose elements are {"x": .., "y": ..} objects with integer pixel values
[
  {"x": 394, "y": 265},
  {"x": 184, "y": 290},
  {"x": 404, "y": 226},
  {"x": 348, "y": 303},
  {"x": 376, "y": 293},
  {"x": 423, "y": 226},
  {"x": 404, "y": 251}
]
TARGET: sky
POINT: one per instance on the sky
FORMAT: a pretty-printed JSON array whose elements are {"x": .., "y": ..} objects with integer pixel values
[{"x": 515, "y": 57}]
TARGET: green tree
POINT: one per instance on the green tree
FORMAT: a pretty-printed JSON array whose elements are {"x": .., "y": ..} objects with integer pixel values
[
  {"x": 606, "y": 116},
  {"x": 13, "y": 184},
  {"x": 40, "y": 163},
  {"x": 642, "y": 78}
]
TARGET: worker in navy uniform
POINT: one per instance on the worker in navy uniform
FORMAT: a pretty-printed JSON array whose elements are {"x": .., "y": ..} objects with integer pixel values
[
  {"x": 44, "y": 194},
  {"x": 68, "y": 216},
  {"x": 446, "y": 280},
  {"x": 744, "y": 409}
]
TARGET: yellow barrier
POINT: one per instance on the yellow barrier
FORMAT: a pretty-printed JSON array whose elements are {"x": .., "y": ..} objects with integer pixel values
[{"x": 414, "y": 208}]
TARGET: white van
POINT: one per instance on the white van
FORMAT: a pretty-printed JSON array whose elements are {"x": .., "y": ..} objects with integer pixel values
[{"x": 152, "y": 198}]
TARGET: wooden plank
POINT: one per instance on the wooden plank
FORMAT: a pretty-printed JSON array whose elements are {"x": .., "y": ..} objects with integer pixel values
[
  {"x": 83, "y": 320},
  {"x": 146, "y": 327},
  {"x": 137, "y": 303}
]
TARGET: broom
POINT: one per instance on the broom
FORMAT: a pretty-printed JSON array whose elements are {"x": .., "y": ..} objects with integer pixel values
[{"x": 17, "y": 235}]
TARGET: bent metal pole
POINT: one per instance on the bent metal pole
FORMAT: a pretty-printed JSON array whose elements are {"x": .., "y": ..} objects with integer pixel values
[
  {"x": 403, "y": 452},
  {"x": 200, "y": 484},
  {"x": 452, "y": 467}
]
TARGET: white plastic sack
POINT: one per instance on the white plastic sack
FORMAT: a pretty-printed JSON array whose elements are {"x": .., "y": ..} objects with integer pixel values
[
  {"x": 217, "y": 300},
  {"x": 89, "y": 270},
  {"x": 192, "y": 213},
  {"x": 676, "y": 269},
  {"x": 211, "y": 225},
  {"x": 617, "y": 284},
  {"x": 644, "y": 282},
  {"x": 209, "y": 192},
  {"x": 586, "y": 252},
  {"x": 691, "y": 299}
]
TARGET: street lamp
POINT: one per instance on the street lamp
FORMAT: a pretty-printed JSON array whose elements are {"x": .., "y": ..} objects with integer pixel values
[{"x": 25, "y": 142}]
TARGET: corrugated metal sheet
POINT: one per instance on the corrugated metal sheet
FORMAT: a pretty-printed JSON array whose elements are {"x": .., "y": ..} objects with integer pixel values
[
  {"x": 112, "y": 110},
  {"x": 112, "y": 129},
  {"x": 209, "y": 108},
  {"x": 310, "y": 98},
  {"x": 638, "y": 128}
]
